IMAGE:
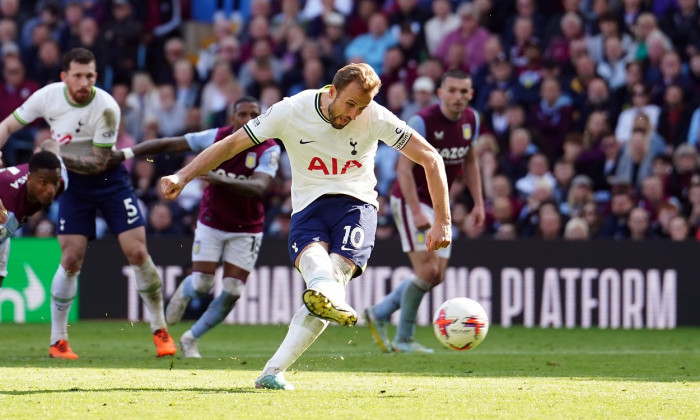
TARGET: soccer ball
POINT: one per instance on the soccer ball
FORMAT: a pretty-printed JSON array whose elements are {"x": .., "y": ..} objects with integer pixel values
[{"x": 460, "y": 324}]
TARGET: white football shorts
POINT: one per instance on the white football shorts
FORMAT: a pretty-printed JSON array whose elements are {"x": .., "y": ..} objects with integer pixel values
[
  {"x": 238, "y": 248},
  {"x": 413, "y": 239}
]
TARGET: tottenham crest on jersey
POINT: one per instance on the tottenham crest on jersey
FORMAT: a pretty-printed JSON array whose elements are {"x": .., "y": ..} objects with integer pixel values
[{"x": 467, "y": 131}]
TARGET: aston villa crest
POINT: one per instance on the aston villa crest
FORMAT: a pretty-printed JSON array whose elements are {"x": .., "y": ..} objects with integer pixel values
[
  {"x": 251, "y": 160},
  {"x": 467, "y": 131}
]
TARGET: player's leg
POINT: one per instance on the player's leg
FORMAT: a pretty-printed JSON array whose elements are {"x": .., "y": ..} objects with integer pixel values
[
  {"x": 76, "y": 223},
  {"x": 233, "y": 284},
  {"x": 240, "y": 254},
  {"x": 121, "y": 212},
  {"x": 64, "y": 287},
  {"x": 303, "y": 331},
  {"x": 324, "y": 296},
  {"x": 378, "y": 315},
  {"x": 428, "y": 271},
  {"x": 207, "y": 249},
  {"x": 149, "y": 285},
  {"x": 426, "y": 265}
]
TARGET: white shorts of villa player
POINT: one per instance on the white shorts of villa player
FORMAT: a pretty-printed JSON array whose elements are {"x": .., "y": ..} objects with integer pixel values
[
  {"x": 238, "y": 248},
  {"x": 412, "y": 238}
]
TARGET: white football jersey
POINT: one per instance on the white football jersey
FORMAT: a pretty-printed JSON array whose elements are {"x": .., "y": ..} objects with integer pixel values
[
  {"x": 76, "y": 128},
  {"x": 325, "y": 160}
]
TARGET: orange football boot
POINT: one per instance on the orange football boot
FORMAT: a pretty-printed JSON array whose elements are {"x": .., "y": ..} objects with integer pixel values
[
  {"x": 61, "y": 350},
  {"x": 165, "y": 346}
]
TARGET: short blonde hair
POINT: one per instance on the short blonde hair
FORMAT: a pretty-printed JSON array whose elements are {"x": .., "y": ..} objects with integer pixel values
[
  {"x": 575, "y": 224},
  {"x": 361, "y": 73}
]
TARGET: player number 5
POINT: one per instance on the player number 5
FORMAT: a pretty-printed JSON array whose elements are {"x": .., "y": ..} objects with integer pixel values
[{"x": 131, "y": 209}]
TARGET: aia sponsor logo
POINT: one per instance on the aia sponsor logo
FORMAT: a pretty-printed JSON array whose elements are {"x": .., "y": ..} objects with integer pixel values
[{"x": 334, "y": 167}]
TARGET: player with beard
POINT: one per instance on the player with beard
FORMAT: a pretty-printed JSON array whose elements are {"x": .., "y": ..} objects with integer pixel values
[
  {"x": 451, "y": 127},
  {"x": 84, "y": 121},
  {"x": 230, "y": 221},
  {"x": 331, "y": 136}
]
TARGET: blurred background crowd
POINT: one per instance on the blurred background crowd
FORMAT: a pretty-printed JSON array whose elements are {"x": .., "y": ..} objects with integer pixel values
[{"x": 590, "y": 109}]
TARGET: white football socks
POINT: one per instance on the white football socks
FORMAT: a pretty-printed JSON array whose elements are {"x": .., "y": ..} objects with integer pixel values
[
  {"x": 316, "y": 268},
  {"x": 63, "y": 289},
  {"x": 303, "y": 331},
  {"x": 149, "y": 286}
]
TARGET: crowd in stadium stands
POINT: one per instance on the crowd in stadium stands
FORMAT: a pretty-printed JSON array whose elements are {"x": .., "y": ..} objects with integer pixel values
[{"x": 590, "y": 109}]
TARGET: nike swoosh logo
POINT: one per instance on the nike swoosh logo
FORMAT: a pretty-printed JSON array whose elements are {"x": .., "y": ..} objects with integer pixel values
[
  {"x": 305, "y": 142},
  {"x": 132, "y": 220},
  {"x": 344, "y": 248}
]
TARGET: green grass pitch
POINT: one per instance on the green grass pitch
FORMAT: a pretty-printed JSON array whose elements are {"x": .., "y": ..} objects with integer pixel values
[{"x": 515, "y": 373}]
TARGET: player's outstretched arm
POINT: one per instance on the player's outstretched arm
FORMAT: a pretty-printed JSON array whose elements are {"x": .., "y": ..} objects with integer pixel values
[
  {"x": 87, "y": 164},
  {"x": 209, "y": 159},
  {"x": 421, "y": 152},
  {"x": 253, "y": 187},
  {"x": 8, "y": 126},
  {"x": 148, "y": 148},
  {"x": 155, "y": 146}
]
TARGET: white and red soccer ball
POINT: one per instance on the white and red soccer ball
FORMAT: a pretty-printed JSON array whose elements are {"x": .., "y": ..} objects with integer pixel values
[{"x": 460, "y": 323}]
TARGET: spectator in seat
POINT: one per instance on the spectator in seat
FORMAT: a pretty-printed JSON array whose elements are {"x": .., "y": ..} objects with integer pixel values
[
  {"x": 576, "y": 229},
  {"x": 514, "y": 160},
  {"x": 593, "y": 218},
  {"x": 170, "y": 114},
  {"x": 442, "y": 23},
  {"x": 674, "y": 119},
  {"x": 334, "y": 41},
  {"x": 423, "y": 95},
  {"x": 640, "y": 105},
  {"x": 685, "y": 172},
  {"x": 678, "y": 229},
  {"x": 47, "y": 68},
  {"x": 537, "y": 170},
  {"x": 598, "y": 99},
  {"x": 635, "y": 163},
  {"x": 638, "y": 225},
  {"x": 670, "y": 73},
  {"x": 608, "y": 25},
  {"x": 551, "y": 119},
  {"x": 470, "y": 38},
  {"x": 549, "y": 222},
  {"x": 614, "y": 226},
  {"x": 122, "y": 32},
  {"x": 612, "y": 66},
  {"x": 13, "y": 92},
  {"x": 372, "y": 46}
]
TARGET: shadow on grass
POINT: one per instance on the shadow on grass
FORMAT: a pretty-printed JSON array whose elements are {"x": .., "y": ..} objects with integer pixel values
[{"x": 92, "y": 390}]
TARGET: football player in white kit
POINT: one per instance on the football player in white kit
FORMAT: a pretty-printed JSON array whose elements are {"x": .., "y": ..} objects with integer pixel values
[
  {"x": 331, "y": 137},
  {"x": 84, "y": 121}
]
